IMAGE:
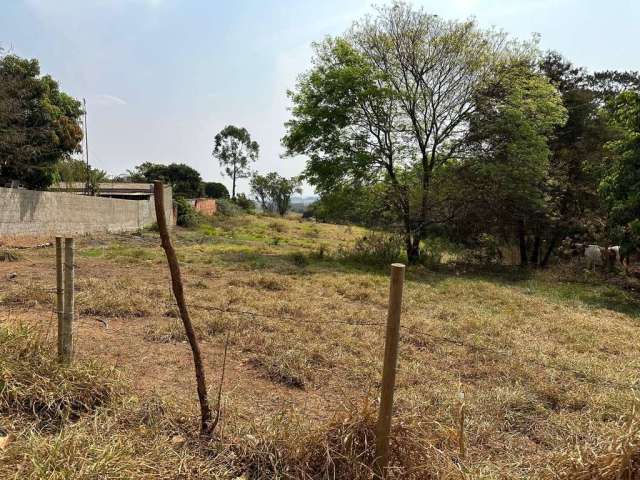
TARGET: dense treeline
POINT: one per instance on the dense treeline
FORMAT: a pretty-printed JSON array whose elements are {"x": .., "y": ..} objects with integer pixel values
[{"x": 427, "y": 126}]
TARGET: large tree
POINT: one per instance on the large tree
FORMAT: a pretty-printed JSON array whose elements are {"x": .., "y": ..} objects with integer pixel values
[
  {"x": 577, "y": 164},
  {"x": 621, "y": 184},
  {"x": 390, "y": 103},
  {"x": 185, "y": 180},
  {"x": 504, "y": 178},
  {"x": 39, "y": 124},
  {"x": 235, "y": 151}
]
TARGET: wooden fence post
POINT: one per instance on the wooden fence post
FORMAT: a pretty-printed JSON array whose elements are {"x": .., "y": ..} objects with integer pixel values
[
  {"x": 67, "y": 318},
  {"x": 59, "y": 294},
  {"x": 207, "y": 423},
  {"x": 383, "y": 428}
]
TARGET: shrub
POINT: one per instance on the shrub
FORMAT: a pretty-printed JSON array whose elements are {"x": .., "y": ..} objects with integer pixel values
[
  {"x": 379, "y": 248},
  {"x": 486, "y": 251},
  {"x": 228, "y": 208},
  {"x": 187, "y": 215},
  {"x": 245, "y": 203},
  {"x": 299, "y": 260}
]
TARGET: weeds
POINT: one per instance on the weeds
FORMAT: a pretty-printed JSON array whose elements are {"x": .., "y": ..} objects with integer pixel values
[
  {"x": 375, "y": 248},
  {"x": 9, "y": 256},
  {"x": 35, "y": 385}
]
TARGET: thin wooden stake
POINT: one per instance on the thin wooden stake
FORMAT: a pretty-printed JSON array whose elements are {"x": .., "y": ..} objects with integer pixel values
[
  {"x": 67, "y": 317},
  {"x": 383, "y": 428},
  {"x": 59, "y": 294},
  {"x": 206, "y": 424}
]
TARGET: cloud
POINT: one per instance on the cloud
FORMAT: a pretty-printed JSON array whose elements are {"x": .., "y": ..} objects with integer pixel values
[{"x": 106, "y": 100}]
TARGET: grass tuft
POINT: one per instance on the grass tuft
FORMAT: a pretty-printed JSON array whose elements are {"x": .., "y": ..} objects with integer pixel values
[{"x": 35, "y": 385}]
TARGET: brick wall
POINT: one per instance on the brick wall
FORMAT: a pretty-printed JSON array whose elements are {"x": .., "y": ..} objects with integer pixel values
[{"x": 206, "y": 206}]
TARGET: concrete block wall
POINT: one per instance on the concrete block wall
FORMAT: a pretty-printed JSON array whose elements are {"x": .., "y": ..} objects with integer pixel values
[{"x": 29, "y": 212}]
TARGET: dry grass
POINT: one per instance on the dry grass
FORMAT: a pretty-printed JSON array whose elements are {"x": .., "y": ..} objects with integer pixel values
[
  {"x": 121, "y": 297},
  {"x": 34, "y": 385},
  {"x": 9, "y": 255},
  {"x": 620, "y": 459},
  {"x": 546, "y": 361}
]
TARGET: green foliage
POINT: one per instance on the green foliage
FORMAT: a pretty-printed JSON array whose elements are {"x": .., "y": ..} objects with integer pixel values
[
  {"x": 299, "y": 259},
  {"x": 274, "y": 192},
  {"x": 245, "y": 203},
  {"x": 74, "y": 170},
  {"x": 187, "y": 215},
  {"x": 363, "y": 115},
  {"x": 368, "y": 205},
  {"x": 235, "y": 150},
  {"x": 228, "y": 207},
  {"x": 621, "y": 185},
  {"x": 502, "y": 185},
  {"x": 185, "y": 181},
  {"x": 215, "y": 190},
  {"x": 376, "y": 248},
  {"x": 40, "y": 124}
]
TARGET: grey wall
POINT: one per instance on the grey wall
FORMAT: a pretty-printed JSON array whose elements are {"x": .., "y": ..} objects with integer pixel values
[{"x": 28, "y": 212}]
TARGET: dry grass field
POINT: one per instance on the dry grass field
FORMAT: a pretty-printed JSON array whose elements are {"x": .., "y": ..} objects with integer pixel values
[{"x": 545, "y": 365}]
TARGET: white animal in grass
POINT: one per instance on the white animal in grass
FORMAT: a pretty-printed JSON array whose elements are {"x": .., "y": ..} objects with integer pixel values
[
  {"x": 597, "y": 255},
  {"x": 593, "y": 254}
]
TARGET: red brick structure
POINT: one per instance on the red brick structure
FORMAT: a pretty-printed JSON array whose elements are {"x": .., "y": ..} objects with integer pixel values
[{"x": 206, "y": 206}]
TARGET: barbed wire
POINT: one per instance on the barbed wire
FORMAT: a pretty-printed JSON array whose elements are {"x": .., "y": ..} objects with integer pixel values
[{"x": 577, "y": 374}]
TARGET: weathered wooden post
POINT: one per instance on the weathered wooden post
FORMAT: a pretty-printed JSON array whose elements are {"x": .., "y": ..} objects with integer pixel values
[
  {"x": 207, "y": 422},
  {"x": 66, "y": 333},
  {"x": 59, "y": 293},
  {"x": 383, "y": 428}
]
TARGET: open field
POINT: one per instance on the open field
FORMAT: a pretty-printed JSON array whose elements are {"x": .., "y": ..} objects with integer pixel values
[{"x": 546, "y": 362}]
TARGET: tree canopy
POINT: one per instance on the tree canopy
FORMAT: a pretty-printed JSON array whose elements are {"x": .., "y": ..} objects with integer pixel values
[
  {"x": 215, "y": 190},
  {"x": 390, "y": 102},
  {"x": 273, "y": 192},
  {"x": 621, "y": 184},
  {"x": 185, "y": 181},
  {"x": 39, "y": 124}
]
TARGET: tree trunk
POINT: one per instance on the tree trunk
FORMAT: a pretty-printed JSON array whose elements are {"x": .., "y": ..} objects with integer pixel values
[
  {"x": 522, "y": 239},
  {"x": 535, "y": 254},
  {"x": 233, "y": 186},
  {"x": 547, "y": 255},
  {"x": 413, "y": 252}
]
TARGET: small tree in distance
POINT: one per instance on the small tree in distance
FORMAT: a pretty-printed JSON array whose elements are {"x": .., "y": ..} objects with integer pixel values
[
  {"x": 234, "y": 149},
  {"x": 274, "y": 192}
]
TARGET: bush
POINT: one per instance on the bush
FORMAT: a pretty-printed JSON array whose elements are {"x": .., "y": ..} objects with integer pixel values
[
  {"x": 379, "y": 248},
  {"x": 245, "y": 203},
  {"x": 187, "y": 215},
  {"x": 228, "y": 208},
  {"x": 299, "y": 260},
  {"x": 486, "y": 252}
]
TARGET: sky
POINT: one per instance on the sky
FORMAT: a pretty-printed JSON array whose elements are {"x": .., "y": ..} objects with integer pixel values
[{"x": 162, "y": 77}]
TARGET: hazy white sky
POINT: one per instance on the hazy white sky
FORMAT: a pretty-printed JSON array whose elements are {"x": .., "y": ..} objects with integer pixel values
[{"x": 162, "y": 77}]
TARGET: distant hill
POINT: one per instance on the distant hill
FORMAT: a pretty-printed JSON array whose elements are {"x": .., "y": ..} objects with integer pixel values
[{"x": 298, "y": 204}]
